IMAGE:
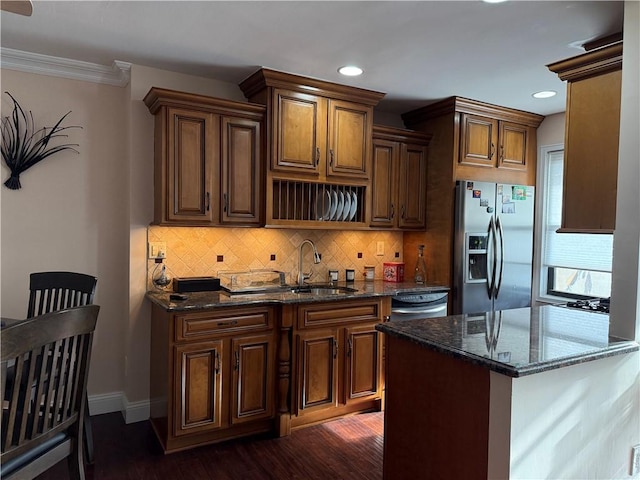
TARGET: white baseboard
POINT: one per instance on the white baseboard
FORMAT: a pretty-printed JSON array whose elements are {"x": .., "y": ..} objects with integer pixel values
[{"x": 117, "y": 402}]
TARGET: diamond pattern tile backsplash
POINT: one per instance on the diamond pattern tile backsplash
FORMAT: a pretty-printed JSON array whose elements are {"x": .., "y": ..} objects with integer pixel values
[{"x": 204, "y": 251}]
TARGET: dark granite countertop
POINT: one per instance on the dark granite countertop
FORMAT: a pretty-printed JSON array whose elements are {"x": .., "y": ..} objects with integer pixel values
[
  {"x": 204, "y": 300},
  {"x": 517, "y": 342}
]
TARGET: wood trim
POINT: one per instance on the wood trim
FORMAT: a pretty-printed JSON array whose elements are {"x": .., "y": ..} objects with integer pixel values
[
  {"x": 158, "y": 97},
  {"x": 393, "y": 134},
  {"x": 475, "y": 107},
  {"x": 594, "y": 62},
  {"x": 271, "y": 78},
  {"x": 602, "y": 41}
]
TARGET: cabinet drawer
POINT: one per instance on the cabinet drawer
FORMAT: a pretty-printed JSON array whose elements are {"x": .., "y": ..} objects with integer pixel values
[
  {"x": 196, "y": 326},
  {"x": 338, "y": 313}
]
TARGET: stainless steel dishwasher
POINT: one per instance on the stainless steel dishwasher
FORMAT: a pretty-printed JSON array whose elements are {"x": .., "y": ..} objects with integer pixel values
[{"x": 419, "y": 304}]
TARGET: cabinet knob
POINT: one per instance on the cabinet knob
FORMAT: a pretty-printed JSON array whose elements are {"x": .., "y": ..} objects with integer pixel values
[
  {"x": 493, "y": 150},
  {"x": 387, "y": 318}
]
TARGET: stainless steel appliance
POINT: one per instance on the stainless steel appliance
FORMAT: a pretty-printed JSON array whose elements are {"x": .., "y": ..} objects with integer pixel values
[
  {"x": 422, "y": 304},
  {"x": 493, "y": 247}
]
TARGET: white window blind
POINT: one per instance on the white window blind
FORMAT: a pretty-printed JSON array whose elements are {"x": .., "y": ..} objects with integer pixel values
[{"x": 569, "y": 250}]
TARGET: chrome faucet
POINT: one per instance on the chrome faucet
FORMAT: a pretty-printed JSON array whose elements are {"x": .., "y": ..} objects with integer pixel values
[{"x": 316, "y": 259}]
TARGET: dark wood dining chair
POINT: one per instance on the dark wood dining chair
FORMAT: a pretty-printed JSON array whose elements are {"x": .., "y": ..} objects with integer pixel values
[
  {"x": 51, "y": 291},
  {"x": 43, "y": 412}
]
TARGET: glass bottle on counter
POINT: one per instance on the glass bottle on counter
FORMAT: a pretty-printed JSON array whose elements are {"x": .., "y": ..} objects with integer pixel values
[
  {"x": 420, "y": 274},
  {"x": 159, "y": 278}
]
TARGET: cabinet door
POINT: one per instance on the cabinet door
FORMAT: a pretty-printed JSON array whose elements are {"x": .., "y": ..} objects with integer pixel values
[
  {"x": 363, "y": 363},
  {"x": 253, "y": 368},
  {"x": 350, "y": 126},
  {"x": 413, "y": 187},
  {"x": 299, "y": 139},
  {"x": 317, "y": 370},
  {"x": 513, "y": 146},
  {"x": 192, "y": 152},
  {"x": 384, "y": 183},
  {"x": 198, "y": 392},
  {"x": 240, "y": 171},
  {"x": 478, "y": 140}
]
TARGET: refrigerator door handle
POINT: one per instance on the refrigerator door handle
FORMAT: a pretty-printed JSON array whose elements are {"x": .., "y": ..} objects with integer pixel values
[
  {"x": 492, "y": 246},
  {"x": 501, "y": 231}
]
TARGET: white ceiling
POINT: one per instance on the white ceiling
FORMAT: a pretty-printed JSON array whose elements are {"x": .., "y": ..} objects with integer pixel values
[{"x": 415, "y": 52}]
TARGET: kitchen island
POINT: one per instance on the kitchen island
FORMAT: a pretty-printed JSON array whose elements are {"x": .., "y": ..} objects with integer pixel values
[{"x": 540, "y": 392}]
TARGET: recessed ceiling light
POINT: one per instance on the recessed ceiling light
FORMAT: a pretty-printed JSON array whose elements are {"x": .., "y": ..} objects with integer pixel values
[
  {"x": 545, "y": 94},
  {"x": 350, "y": 70}
]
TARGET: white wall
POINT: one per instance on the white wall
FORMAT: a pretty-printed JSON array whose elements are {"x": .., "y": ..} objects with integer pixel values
[
  {"x": 576, "y": 422},
  {"x": 71, "y": 211}
]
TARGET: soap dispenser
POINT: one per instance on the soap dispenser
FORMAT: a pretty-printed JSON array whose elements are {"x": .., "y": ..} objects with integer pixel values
[{"x": 420, "y": 274}]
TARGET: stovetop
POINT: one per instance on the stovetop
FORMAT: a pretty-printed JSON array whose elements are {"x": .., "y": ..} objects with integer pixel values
[{"x": 594, "y": 305}]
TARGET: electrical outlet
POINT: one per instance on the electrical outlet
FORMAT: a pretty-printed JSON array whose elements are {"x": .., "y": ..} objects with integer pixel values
[
  {"x": 635, "y": 460},
  {"x": 157, "y": 249},
  {"x": 380, "y": 248}
]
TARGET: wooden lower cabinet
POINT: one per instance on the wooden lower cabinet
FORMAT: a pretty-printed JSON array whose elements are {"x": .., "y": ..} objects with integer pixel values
[
  {"x": 212, "y": 375},
  {"x": 337, "y": 359},
  {"x": 224, "y": 373}
]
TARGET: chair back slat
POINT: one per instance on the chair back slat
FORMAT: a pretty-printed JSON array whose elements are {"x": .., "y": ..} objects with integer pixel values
[
  {"x": 50, "y": 356},
  {"x": 50, "y": 291}
]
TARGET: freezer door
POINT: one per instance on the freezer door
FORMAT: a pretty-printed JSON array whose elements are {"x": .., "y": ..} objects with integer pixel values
[
  {"x": 514, "y": 218},
  {"x": 475, "y": 207}
]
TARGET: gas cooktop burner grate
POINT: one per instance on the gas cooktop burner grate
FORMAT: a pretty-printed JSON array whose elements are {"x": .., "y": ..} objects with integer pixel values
[{"x": 598, "y": 305}]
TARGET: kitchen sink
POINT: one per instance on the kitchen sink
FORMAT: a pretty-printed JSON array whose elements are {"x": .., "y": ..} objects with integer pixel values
[{"x": 323, "y": 289}]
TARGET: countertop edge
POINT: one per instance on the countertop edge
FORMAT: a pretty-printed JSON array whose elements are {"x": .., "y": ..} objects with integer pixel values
[{"x": 618, "y": 348}]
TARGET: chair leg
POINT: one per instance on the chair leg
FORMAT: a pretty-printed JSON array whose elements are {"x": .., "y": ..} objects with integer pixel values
[{"x": 88, "y": 433}]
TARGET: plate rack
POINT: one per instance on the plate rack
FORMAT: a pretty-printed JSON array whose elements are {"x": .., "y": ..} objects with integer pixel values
[{"x": 317, "y": 202}]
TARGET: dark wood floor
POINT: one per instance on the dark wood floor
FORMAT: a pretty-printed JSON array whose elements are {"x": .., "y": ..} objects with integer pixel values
[{"x": 348, "y": 448}]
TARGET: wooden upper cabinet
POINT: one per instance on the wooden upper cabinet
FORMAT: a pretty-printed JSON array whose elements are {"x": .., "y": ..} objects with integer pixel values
[
  {"x": 478, "y": 141},
  {"x": 300, "y": 122},
  {"x": 190, "y": 156},
  {"x": 207, "y": 159},
  {"x": 592, "y": 129},
  {"x": 241, "y": 183},
  {"x": 492, "y": 143},
  {"x": 399, "y": 178},
  {"x": 349, "y": 141},
  {"x": 318, "y": 130}
]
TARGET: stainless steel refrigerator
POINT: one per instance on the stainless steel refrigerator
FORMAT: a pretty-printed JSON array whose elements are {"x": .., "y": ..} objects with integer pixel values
[{"x": 493, "y": 247}]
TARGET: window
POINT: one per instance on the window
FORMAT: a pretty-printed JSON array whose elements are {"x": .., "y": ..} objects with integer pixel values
[{"x": 573, "y": 265}]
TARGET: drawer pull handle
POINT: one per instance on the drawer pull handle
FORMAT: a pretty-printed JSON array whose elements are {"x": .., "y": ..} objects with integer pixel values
[
  {"x": 335, "y": 348},
  {"x": 236, "y": 365},
  {"x": 217, "y": 363},
  {"x": 225, "y": 207},
  {"x": 208, "y": 201},
  {"x": 331, "y": 153},
  {"x": 227, "y": 324},
  {"x": 317, "y": 156},
  {"x": 350, "y": 345}
]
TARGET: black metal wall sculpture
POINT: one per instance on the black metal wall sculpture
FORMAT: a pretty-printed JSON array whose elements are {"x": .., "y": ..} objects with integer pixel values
[{"x": 23, "y": 146}]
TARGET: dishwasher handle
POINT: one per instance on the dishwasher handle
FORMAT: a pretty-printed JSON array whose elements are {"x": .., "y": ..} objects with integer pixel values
[{"x": 414, "y": 310}]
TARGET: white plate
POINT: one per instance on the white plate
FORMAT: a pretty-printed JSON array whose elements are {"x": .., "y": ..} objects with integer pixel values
[
  {"x": 354, "y": 205},
  {"x": 336, "y": 206},
  {"x": 347, "y": 207},
  {"x": 323, "y": 211}
]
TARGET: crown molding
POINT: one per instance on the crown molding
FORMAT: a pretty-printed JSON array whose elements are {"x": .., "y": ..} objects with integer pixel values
[{"x": 117, "y": 74}]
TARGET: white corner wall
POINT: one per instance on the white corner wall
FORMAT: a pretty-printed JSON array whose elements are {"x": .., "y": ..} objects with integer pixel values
[{"x": 576, "y": 422}]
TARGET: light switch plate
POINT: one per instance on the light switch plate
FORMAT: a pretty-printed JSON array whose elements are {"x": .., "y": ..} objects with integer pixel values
[
  {"x": 157, "y": 249},
  {"x": 380, "y": 248}
]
